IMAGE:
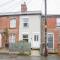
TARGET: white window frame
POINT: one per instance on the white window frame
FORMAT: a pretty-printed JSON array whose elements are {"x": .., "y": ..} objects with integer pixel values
[
  {"x": 24, "y": 38},
  {"x": 26, "y": 21},
  {"x": 11, "y": 39},
  {"x": 58, "y": 22},
  {"x": 53, "y": 39},
  {"x": 36, "y": 36},
  {"x": 13, "y": 23}
]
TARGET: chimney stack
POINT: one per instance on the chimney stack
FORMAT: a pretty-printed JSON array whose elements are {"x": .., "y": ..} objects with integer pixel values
[{"x": 24, "y": 7}]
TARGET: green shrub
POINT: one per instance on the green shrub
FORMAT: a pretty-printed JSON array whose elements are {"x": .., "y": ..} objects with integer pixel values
[{"x": 22, "y": 47}]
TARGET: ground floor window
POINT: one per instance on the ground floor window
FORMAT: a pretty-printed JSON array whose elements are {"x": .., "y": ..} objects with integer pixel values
[
  {"x": 12, "y": 38},
  {"x": 25, "y": 37},
  {"x": 50, "y": 40}
]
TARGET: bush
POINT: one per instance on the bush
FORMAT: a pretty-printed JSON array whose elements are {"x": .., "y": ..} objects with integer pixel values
[{"x": 22, "y": 47}]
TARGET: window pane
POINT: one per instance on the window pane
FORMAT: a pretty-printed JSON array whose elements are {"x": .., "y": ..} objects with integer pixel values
[
  {"x": 25, "y": 19},
  {"x": 25, "y": 24},
  {"x": 12, "y": 38},
  {"x": 50, "y": 40},
  {"x": 35, "y": 37},
  {"x": 58, "y": 22},
  {"x": 50, "y": 45},
  {"x": 13, "y": 23},
  {"x": 25, "y": 38}
]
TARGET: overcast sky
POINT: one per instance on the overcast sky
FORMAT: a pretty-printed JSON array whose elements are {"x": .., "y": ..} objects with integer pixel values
[{"x": 53, "y": 6}]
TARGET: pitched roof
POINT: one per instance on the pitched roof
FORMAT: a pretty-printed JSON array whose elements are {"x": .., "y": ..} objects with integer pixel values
[
  {"x": 21, "y": 13},
  {"x": 52, "y": 15}
]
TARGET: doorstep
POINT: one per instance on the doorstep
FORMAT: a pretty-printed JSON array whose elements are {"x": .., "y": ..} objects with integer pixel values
[{"x": 35, "y": 53}]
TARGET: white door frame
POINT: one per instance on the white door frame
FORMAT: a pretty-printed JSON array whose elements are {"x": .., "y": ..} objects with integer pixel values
[
  {"x": 37, "y": 43},
  {"x": 53, "y": 39}
]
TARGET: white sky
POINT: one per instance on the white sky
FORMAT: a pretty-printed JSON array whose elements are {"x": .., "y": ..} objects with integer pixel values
[{"x": 53, "y": 6}]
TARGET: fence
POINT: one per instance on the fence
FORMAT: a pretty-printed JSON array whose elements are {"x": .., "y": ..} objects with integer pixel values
[{"x": 21, "y": 47}]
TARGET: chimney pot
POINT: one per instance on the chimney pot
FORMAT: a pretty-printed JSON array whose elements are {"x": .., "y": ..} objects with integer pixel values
[{"x": 23, "y": 7}]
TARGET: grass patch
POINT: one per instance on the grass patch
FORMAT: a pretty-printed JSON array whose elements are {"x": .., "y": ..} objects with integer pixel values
[{"x": 24, "y": 54}]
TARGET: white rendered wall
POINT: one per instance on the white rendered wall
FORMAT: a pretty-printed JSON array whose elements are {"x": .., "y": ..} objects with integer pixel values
[{"x": 34, "y": 28}]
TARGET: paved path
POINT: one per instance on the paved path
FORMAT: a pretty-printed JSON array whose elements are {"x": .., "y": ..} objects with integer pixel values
[
  {"x": 35, "y": 53},
  {"x": 36, "y": 58},
  {"x": 9, "y": 57}
]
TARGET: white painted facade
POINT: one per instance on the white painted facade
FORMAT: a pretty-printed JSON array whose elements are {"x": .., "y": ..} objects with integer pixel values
[{"x": 34, "y": 28}]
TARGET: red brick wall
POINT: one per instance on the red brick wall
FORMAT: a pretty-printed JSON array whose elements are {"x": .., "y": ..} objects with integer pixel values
[
  {"x": 56, "y": 38},
  {"x": 51, "y": 26},
  {"x": 5, "y": 23},
  {"x": 51, "y": 22}
]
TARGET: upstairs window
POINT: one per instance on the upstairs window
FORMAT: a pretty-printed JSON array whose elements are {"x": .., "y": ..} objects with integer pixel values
[
  {"x": 58, "y": 22},
  {"x": 13, "y": 23},
  {"x": 25, "y": 22}
]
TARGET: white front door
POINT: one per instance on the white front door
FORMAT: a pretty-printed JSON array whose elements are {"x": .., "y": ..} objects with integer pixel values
[
  {"x": 36, "y": 41},
  {"x": 0, "y": 40}
]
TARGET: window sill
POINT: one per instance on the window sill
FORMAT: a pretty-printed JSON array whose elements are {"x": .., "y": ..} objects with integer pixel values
[
  {"x": 58, "y": 27},
  {"x": 12, "y": 28}
]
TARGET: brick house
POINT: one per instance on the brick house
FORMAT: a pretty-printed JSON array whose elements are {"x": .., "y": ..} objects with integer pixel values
[
  {"x": 8, "y": 22},
  {"x": 24, "y": 25},
  {"x": 53, "y": 32}
]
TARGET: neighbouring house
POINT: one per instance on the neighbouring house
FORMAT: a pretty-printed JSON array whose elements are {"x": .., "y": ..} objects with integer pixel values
[
  {"x": 9, "y": 22},
  {"x": 53, "y": 32},
  {"x": 24, "y": 25}
]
